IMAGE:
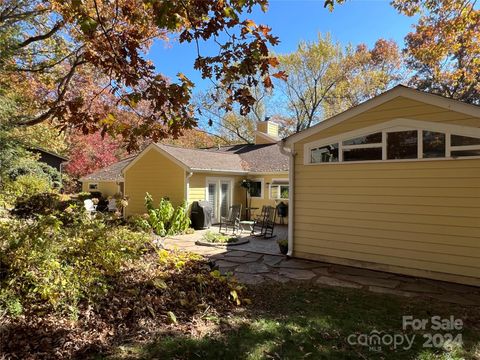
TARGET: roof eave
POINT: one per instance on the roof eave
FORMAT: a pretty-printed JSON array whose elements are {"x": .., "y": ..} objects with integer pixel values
[{"x": 399, "y": 90}]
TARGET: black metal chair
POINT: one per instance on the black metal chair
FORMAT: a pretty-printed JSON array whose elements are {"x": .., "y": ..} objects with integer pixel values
[
  {"x": 270, "y": 222},
  {"x": 259, "y": 222},
  {"x": 232, "y": 219}
]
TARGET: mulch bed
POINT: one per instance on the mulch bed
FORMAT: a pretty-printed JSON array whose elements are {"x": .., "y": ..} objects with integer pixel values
[{"x": 136, "y": 307}]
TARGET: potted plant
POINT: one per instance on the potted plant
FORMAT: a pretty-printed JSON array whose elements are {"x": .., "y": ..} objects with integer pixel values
[{"x": 283, "y": 245}]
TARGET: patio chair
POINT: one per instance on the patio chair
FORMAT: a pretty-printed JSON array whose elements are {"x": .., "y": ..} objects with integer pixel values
[
  {"x": 259, "y": 222},
  {"x": 232, "y": 219},
  {"x": 112, "y": 205},
  {"x": 270, "y": 222},
  {"x": 89, "y": 206}
]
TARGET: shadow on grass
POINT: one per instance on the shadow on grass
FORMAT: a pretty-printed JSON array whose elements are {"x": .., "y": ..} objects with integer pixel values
[{"x": 297, "y": 322}]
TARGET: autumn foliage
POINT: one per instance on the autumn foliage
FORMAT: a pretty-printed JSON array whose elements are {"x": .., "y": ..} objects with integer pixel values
[
  {"x": 90, "y": 153},
  {"x": 108, "y": 42}
]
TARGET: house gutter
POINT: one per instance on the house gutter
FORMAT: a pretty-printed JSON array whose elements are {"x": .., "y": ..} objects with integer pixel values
[
  {"x": 291, "y": 178},
  {"x": 187, "y": 185}
]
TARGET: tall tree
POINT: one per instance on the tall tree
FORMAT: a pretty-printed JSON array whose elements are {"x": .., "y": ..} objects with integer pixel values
[
  {"x": 232, "y": 126},
  {"x": 92, "y": 152},
  {"x": 367, "y": 73},
  {"x": 324, "y": 78},
  {"x": 54, "y": 43},
  {"x": 444, "y": 49}
]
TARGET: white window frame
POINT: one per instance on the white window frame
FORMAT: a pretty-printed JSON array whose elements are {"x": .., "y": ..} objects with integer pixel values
[
  {"x": 90, "y": 186},
  {"x": 218, "y": 182},
  {"x": 285, "y": 183},
  {"x": 395, "y": 125},
  {"x": 262, "y": 188}
]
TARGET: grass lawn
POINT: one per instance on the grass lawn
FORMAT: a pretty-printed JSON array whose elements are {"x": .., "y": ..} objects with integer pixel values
[{"x": 307, "y": 322}]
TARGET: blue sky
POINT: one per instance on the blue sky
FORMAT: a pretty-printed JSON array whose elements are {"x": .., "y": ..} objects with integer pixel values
[{"x": 355, "y": 22}]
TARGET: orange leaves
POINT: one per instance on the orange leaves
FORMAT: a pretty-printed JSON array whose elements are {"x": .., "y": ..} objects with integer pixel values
[{"x": 282, "y": 75}]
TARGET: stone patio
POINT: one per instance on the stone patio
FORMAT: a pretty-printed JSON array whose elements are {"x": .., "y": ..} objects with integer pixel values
[{"x": 259, "y": 261}]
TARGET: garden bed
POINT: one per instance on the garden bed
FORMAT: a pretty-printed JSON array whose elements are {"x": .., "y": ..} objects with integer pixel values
[{"x": 218, "y": 239}]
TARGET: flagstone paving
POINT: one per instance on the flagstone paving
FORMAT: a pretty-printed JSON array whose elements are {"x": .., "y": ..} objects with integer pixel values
[{"x": 252, "y": 265}]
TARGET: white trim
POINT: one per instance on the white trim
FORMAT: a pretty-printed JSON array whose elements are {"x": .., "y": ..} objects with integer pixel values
[
  {"x": 231, "y": 172},
  {"x": 464, "y": 147},
  {"x": 285, "y": 180},
  {"x": 119, "y": 180},
  {"x": 399, "y": 124},
  {"x": 398, "y": 91},
  {"x": 187, "y": 185},
  {"x": 218, "y": 181}
]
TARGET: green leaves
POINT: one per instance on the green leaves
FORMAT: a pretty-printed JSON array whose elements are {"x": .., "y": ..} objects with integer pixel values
[{"x": 165, "y": 219}]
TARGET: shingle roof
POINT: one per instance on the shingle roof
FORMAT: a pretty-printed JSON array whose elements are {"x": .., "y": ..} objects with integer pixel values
[
  {"x": 257, "y": 158},
  {"x": 234, "y": 158},
  {"x": 204, "y": 159},
  {"x": 110, "y": 173}
]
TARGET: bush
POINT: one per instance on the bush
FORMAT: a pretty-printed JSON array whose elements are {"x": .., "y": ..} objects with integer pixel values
[
  {"x": 47, "y": 262},
  {"x": 25, "y": 186},
  {"x": 31, "y": 166},
  {"x": 165, "y": 219},
  {"x": 218, "y": 238}
]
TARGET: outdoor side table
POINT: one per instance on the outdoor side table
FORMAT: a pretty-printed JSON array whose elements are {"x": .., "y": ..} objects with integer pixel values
[{"x": 247, "y": 226}]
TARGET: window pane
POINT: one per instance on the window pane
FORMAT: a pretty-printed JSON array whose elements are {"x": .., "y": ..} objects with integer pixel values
[
  {"x": 465, "y": 153},
  {"x": 402, "y": 145},
  {"x": 458, "y": 140},
  {"x": 284, "y": 191},
  {"x": 362, "y": 154},
  {"x": 256, "y": 189},
  {"x": 368, "y": 139},
  {"x": 275, "y": 192},
  {"x": 433, "y": 144},
  {"x": 324, "y": 154}
]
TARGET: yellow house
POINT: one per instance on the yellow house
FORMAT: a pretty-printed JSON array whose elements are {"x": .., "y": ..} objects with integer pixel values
[
  {"x": 392, "y": 184},
  {"x": 213, "y": 174}
]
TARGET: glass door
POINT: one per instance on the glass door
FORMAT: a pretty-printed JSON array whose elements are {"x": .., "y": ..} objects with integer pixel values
[
  {"x": 224, "y": 197},
  {"x": 212, "y": 198},
  {"x": 219, "y": 195}
]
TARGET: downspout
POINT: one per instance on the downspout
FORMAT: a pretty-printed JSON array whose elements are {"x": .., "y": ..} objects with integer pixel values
[
  {"x": 187, "y": 185},
  {"x": 291, "y": 177}
]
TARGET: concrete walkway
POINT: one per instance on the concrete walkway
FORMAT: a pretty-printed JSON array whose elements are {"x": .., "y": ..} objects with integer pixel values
[{"x": 251, "y": 265}]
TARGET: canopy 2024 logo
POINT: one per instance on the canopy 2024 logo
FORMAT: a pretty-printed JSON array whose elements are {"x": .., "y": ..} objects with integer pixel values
[{"x": 450, "y": 334}]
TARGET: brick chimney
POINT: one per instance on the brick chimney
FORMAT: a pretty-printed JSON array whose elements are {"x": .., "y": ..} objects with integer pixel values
[{"x": 267, "y": 132}]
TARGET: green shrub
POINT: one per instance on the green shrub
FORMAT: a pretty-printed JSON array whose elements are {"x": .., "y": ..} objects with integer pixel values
[
  {"x": 218, "y": 238},
  {"x": 31, "y": 166},
  {"x": 25, "y": 186},
  {"x": 165, "y": 219},
  {"x": 46, "y": 262}
]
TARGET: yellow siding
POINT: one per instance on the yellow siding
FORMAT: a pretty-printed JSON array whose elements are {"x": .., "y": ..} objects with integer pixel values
[
  {"x": 267, "y": 200},
  {"x": 107, "y": 188},
  {"x": 412, "y": 215},
  {"x": 157, "y": 175},
  {"x": 267, "y": 127},
  {"x": 198, "y": 182}
]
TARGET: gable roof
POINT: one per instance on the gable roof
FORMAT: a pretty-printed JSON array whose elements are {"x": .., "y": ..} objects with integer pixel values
[
  {"x": 397, "y": 91},
  {"x": 244, "y": 158},
  {"x": 42, "y": 150},
  {"x": 112, "y": 172}
]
